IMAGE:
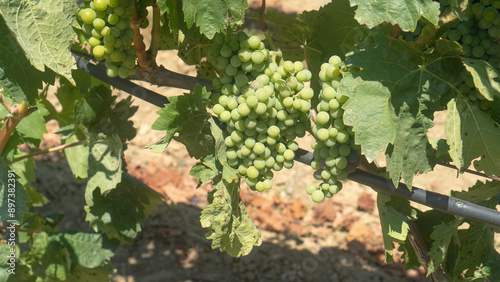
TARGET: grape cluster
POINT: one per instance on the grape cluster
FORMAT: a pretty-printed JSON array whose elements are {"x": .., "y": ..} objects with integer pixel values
[
  {"x": 107, "y": 25},
  {"x": 479, "y": 36},
  {"x": 335, "y": 153},
  {"x": 264, "y": 104}
]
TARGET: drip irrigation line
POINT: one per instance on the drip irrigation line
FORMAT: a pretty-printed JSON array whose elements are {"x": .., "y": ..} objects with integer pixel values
[{"x": 378, "y": 183}]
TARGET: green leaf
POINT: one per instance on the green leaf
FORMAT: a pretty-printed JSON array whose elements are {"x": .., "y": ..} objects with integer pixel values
[
  {"x": 401, "y": 12},
  {"x": 187, "y": 115},
  {"x": 229, "y": 174},
  {"x": 205, "y": 170},
  {"x": 18, "y": 77},
  {"x": 105, "y": 164},
  {"x": 213, "y": 16},
  {"x": 485, "y": 77},
  {"x": 88, "y": 249},
  {"x": 476, "y": 248},
  {"x": 479, "y": 192},
  {"x": 374, "y": 132},
  {"x": 83, "y": 274},
  {"x": 77, "y": 156},
  {"x": 442, "y": 235},
  {"x": 119, "y": 212},
  {"x": 25, "y": 170},
  {"x": 13, "y": 196},
  {"x": 231, "y": 228},
  {"x": 452, "y": 129},
  {"x": 44, "y": 30},
  {"x": 394, "y": 215},
  {"x": 471, "y": 133},
  {"x": 419, "y": 84}
]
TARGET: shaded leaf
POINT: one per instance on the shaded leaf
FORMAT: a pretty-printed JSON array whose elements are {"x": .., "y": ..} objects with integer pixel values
[
  {"x": 485, "y": 77},
  {"x": 44, "y": 30}
]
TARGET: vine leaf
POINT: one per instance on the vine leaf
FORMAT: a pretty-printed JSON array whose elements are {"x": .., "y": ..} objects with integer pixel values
[
  {"x": 44, "y": 31},
  {"x": 21, "y": 197},
  {"x": 231, "y": 228},
  {"x": 401, "y": 12},
  {"x": 442, "y": 236},
  {"x": 119, "y": 212},
  {"x": 477, "y": 248},
  {"x": 374, "y": 132},
  {"x": 187, "y": 115},
  {"x": 18, "y": 77},
  {"x": 25, "y": 170},
  {"x": 394, "y": 216},
  {"x": 77, "y": 156},
  {"x": 485, "y": 77},
  {"x": 477, "y": 131},
  {"x": 212, "y": 15},
  {"x": 419, "y": 83},
  {"x": 105, "y": 164},
  {"x": 479, "y": 192}
]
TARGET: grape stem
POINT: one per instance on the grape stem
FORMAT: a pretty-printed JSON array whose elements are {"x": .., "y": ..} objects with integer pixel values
[
  {"x": 49, "y": 150},
  {"x": 145, "y": 64},
  {"x": 155, "y": 33},
  {"x": 263, "y": 26}
]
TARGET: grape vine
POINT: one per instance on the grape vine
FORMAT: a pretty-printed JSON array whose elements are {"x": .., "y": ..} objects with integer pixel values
[{"x": 363, "y": 81}]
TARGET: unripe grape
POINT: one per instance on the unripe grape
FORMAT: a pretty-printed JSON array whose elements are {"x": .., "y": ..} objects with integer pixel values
[{"x": 87, "y": 15}]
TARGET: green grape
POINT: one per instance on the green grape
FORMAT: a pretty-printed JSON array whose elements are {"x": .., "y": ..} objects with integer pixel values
[
  {"x": 87, "y": 15},
  {"x": 100, "y": 5},
  {"x": 123, "y": 72},
  {"x": 112, "y": 71},
  {"x": 254, "y": 42},
  {"x": 490, "y": 13},
  {"x": 98, "y": 51},
  {"x": 317, "y": 196},
  {"x": 478, "y": 51},
  {"x": 113, "y": 3},
  {"x": 93, "y": 42},
  {"x": 113, "y": 19},
  {"x": 257, "y": 57},
  {"x": 454, "y": 35}
]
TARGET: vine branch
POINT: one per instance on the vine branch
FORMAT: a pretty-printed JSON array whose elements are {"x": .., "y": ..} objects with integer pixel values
[
  {"x": 16, "y": 114},
  {"x": 264, "y": 27},
  {"x": 49, "y": 150}
]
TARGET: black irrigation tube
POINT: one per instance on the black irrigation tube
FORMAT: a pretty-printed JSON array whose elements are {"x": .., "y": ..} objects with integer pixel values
[{"x": 378, "y": 183}]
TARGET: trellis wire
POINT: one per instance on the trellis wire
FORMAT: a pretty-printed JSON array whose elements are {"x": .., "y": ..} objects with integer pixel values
[{"x": 447, "y": 204}]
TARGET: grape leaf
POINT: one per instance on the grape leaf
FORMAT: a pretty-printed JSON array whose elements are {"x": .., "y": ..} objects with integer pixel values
[
  {"x": 213, "y": 16},
  {"x": 479, "y": 192},
  {"x": 229, "y": 174},
  {"x": 20, "y": 197},
  {"x": 25, "y": 170},
  {"x": 401, "y": 12},
  {"x": 442, "y": 235},
  {"x": 105, "y": 164},
  {"x": 18, "y": 77},
  {"x": 187, "y": 115},
  {"x": 419, "y": 84},
  {"x": 374, "y": 132},
  {"x": 119, "y": 212},
  {"x": 476, "y": 248},
  {"x": 77, "y": 156},
  {"x": 394, "y": 216},
  {"x": 205, "y": 170},
  {"x": 470, "y": 133},
  {"x": 485, "y": 77},
  {"x": 44, "y": 30},
  {"x": 231, "y": 228}
]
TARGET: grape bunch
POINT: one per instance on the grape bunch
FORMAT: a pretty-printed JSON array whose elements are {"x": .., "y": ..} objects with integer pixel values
[
  {"x": 107, "y": 26},
  {"x": 264, "y": 104},
  {"x": 479, "y": 35},
  {"x": 335, "y": 154}
]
